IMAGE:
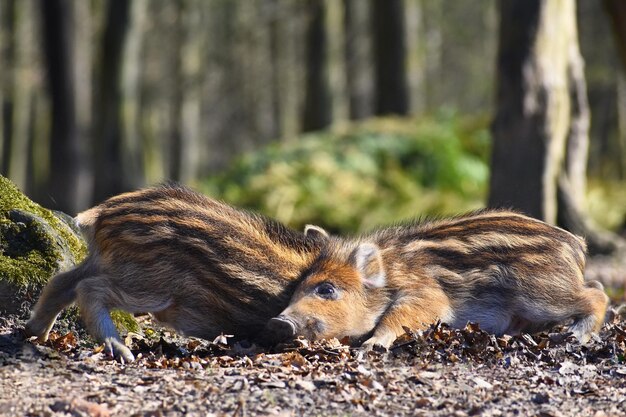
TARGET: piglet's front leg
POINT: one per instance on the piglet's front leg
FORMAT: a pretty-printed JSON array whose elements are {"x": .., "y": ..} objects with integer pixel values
[
  {"x": 415, "y": 311},
  {"x": 94, "y": 296}
]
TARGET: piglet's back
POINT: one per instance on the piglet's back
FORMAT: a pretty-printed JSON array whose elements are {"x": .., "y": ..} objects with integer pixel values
[
  {"x": 172, "y": 221},
  {"x": 229, "y": 264},
  {"x": 486, "y": 237}
]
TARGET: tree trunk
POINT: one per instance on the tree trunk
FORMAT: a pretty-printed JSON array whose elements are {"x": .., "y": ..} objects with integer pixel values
[
  {"x": 132, "y": 67},
  {"x": 7, "y": 57},
  {"x": 109, "y": 168},
  {"x": 621, "y": 122},
  {"x": 20, "y": 91},
  {"x": 358, "y": 58},
  {"x": 416, "y": 65},
  {"x": 318, "y": 102},
  {"x": 67, "y": 185},
  {"x": 572, "y": 182},
  {"x": 616, "y": 10},
  {"x": 392, "y": 95},
  {"x": 434, "y": 68},
  {"x": 542, "y": 119},
  {"x": 532, "y": 105},
  {"x": 286, "y": 39},
  {"x": 577, "y": 149},
  {"x": 177, "y": 145},
  {"x": 184, "y": 145},
  {"x": 336, "y": 62},
  {"x": 38, "y": 154},
  {"x": 257, "y": 17}
]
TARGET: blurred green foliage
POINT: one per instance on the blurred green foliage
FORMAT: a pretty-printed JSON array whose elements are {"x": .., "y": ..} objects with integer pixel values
[
  {"x": 373, "y": 173},
  {"x": 606, "y": 203}
]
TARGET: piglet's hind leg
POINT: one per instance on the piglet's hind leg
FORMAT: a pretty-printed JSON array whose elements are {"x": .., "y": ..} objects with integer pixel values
[
  {"x": 595, "y": 303},
  {"x": 94, "y": 296},
  {"x": 57, "y": 295}
]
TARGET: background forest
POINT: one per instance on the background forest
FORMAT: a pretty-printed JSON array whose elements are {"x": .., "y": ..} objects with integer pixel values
[{"x": 344, "y": 113}]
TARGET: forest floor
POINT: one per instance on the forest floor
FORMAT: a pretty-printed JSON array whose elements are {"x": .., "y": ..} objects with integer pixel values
[{"x": 439, "y": 372}]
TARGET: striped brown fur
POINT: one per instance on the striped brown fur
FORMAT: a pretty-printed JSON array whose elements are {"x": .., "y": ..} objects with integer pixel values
[
  {"x": 504, "y": 270},
  {"x": 201, "y": 266}
]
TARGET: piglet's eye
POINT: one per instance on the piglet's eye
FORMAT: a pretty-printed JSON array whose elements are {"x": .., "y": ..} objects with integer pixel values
[{"x": 326, "y": 290}]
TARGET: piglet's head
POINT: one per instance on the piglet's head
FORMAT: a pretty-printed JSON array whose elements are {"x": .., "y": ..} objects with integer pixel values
[{"x": 339, "y": 296}]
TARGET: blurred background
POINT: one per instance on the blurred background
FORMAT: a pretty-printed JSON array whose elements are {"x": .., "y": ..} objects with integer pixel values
[{"x": 343, "y": 113}]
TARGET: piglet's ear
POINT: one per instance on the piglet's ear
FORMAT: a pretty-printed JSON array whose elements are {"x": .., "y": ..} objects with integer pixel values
[
  {"x": 315, "y": 232},
  {"x": 369, "y": 263}
]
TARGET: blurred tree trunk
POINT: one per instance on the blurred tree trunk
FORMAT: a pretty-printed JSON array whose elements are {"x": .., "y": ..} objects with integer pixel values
[
  {"x": 217, "y": 97},
  {"x": 286, "y": 40},
  {"x": 616, "y": 10},
  {"x": 532, "y": 110},
  {"x": 21, "y": 91},
  {"x": 621, "y": 122},
  {"x": 542, "y": 116},
  {"x": 358, "y": 58},
  {"x": 38, "y": 154},
  {"x": 108, "y": 164},
  {"x": 392, "y": 95},
  {"x": 177, "y": 145},
  {"x": 577, "y": 141},
  {"x": 257, "y": 16},
  {"x": 7, "y": 51},
  {"x": 276, "y": 62},
  {"x": 415, "y": 55},
  {"x": 68, "y": 186},
  {"x": 153, "y": 88},
  {"x": 184, "y": 147},
  {"x": 336, "y": 61},
  {"x": 132, "y": 67},
  {"x": 572, "y": 180},
  {"x": 318, "y": 101}
]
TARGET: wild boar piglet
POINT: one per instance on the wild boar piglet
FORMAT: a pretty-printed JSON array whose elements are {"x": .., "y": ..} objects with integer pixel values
[
  {"x": 506, "y": 271},
  {"x": 200, "y": 266}
]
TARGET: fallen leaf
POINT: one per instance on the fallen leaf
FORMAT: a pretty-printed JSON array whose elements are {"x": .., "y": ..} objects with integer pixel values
[
  {"x": 481, "y": 383},
  {"x": 558, "y": 338},
  {"x": 80, "y": 406},
  {"x": 305, "y": 385},
  {"x": 222, "y": 339},
  {"x": 541, "y": 398},
  {"x": 568, "y": 368},
  {"x": 274, "y": 384},
  {"x": 65, "y": 343},
  {"x": 423, "y": 402}
]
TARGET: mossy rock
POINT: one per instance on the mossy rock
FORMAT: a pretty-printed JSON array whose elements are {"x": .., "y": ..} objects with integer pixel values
[{"x": 35, "y": 244}]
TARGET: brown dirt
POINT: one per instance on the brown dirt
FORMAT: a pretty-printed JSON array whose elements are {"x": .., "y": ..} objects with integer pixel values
[{"x": 439, "y": 372}]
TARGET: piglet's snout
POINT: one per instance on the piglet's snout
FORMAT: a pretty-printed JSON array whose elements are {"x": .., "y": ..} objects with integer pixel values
[{"x": 281, "y": 328}]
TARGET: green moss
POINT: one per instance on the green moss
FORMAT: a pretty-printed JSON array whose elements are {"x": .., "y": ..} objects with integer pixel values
[
  {"x": 606, "y": 202},
  {"x": 34, "y": 242},
  {"x": 124, "y": 321}
]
